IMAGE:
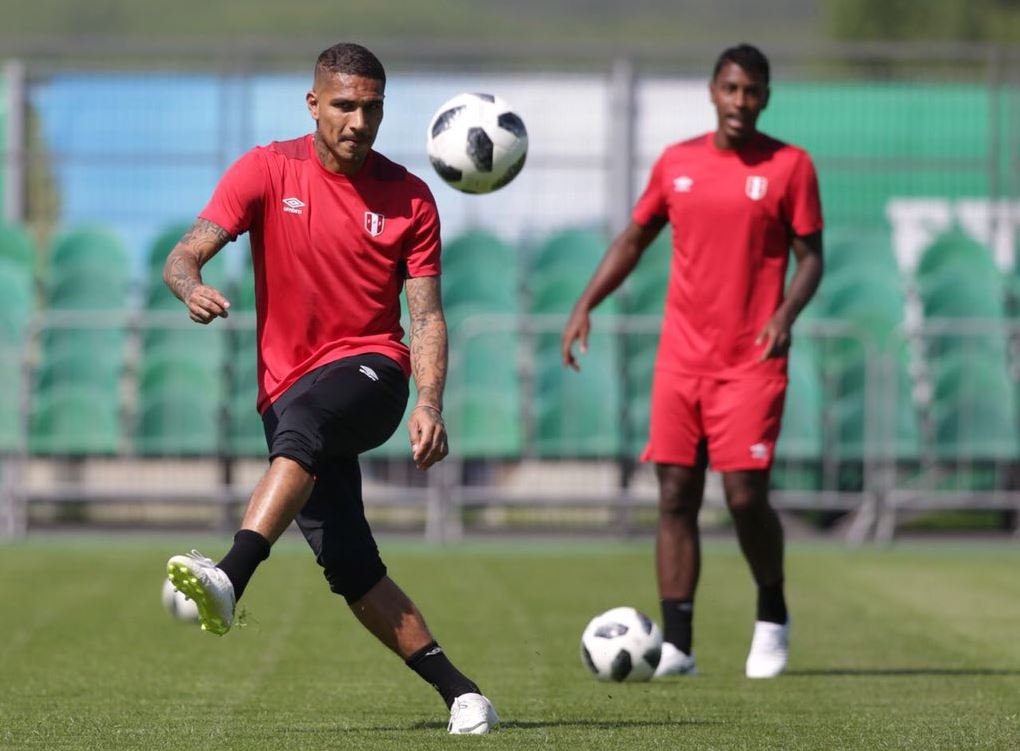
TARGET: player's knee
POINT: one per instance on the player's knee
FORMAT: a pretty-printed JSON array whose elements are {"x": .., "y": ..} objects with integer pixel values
[
  {"x": 744, "y": 499},
  {"x": 679, "y": 497},
  {"x": 352, "y": 575},
  {"x": 680, "y": 489},
  {"x": 298, "y": 439}
]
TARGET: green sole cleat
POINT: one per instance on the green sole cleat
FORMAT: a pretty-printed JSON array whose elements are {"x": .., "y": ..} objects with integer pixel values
[{"x": 198, "y": 578}]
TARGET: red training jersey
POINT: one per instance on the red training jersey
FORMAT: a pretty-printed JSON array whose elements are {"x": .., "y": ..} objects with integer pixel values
[
  {"x": 733, "y": 214},
  {"x": 330, "y": 254}
]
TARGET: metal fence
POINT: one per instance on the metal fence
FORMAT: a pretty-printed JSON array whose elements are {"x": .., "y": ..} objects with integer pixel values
[
  {"x": 910, "y": 142},
  {"x": 874, "y": 437}
]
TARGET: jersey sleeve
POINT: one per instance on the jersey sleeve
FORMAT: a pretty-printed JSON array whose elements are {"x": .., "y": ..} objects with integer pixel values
[
  {"x": 652, "y": 202},
  {"x": 238, "y": 194},
  {"x": 423, "y": 247},
  {"x": 802, "y": 204}
]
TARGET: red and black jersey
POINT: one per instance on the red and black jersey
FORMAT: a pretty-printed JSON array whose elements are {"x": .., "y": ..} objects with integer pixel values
[
  {"x": 733, "y": 214},
  {"x": 330, "y": 254}
]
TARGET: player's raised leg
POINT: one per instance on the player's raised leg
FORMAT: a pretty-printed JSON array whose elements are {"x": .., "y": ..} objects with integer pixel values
[
  {"x": 760, "y": 534},
  {"x": 216, "y": 588},
  {"x": 678, "y": 562}
]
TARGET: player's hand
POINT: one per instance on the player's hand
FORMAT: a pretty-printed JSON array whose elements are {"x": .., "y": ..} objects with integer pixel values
[
  {"x": 427, "y": 433},
  {"x": 205, "y": 303},
  {"x": 775, "y": 338},
  {"x": 577, "y": 328}
]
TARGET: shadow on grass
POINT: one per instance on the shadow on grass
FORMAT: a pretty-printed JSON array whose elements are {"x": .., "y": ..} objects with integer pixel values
[
  {"x": 898, "y": 672},
  {"x": 580, "y": 723}
]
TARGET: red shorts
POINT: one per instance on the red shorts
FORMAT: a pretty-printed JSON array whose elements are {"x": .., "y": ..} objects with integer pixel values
[{"x": 739, "y": 418}]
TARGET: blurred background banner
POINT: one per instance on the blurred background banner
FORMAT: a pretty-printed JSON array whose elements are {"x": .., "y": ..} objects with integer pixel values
[{"x": 116, "y": 123}]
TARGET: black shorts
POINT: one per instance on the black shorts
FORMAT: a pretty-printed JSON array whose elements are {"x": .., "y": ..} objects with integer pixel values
[{"x": 323, "y": 421}]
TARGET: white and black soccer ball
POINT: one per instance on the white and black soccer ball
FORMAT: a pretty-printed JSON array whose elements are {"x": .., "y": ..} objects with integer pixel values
[
  {"x": 621, "y": 644},
  {"x": 177, "y": 605},
  {"x": 477, "y": 143}
]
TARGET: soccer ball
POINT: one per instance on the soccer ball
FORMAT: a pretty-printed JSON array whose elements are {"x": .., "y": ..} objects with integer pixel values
[
  {"x": 477, "y": 143},
  {"x": 621, "y": 644},
  {"x": 177, "y": 605}
]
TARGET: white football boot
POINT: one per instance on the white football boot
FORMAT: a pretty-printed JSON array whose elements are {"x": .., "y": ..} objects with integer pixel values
[
  {"x": 770, "y": 646},
  {"x": 472, "y": 714},
  {"x": 207, "y": 586},
  {"x": 672, "y": 661}
]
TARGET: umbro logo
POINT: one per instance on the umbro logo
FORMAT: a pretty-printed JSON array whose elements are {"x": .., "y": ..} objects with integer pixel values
[
  {"x": 759, "y": 451},
  {"x": 293, "y": 205},
  {"x": 683, "y": 184},
  {"x": 369, "y": 372}
]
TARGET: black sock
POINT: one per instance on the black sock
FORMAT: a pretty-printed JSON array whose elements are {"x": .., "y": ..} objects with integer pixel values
[
  {"x": 772, "y": 603},
  {"x": 249, "y": 550},
  {"x": 676, "y": 623},
  {"x": 431, "y": 663}
]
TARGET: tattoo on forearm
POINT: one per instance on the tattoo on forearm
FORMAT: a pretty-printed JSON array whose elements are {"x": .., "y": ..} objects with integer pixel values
[
  {"x": 428, "y": 339},
  {"x": 181, "y": 273},
  {"x": 200, "y": 243}
]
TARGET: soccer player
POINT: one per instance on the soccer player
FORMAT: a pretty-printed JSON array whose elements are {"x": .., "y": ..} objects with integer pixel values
[
  {"x": 336, "y": 230},
  {"x": 738, "y": 201}
]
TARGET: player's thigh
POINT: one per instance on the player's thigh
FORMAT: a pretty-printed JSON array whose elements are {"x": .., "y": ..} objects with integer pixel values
[
  {"x": 742, "y": 419},
  {"x": 675, "y": 426},
  {"x": 342, "y": 409}
]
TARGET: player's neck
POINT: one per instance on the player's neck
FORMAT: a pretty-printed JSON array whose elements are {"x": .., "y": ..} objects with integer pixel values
[
  {"x": 330, "y": 161},
  {"x": 725, "y": 142}
]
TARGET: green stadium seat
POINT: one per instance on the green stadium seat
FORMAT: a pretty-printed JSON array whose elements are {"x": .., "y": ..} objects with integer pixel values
[
  {"x": 74, "y": 421},
  {"x": 484, "y": 370},
  {"x": 15, "y": 302},
  {"x": 483, "y": 424},
  {"x": 850, "y": 251},
  {"x": 71, "y": 367},
  {"x": 801, "y": 434},
  {"x": 12, "y": 376},
  {"x": 245, "y": 436},
  {"x": 205, "y": 344},
  {"x": 872, "y": 302},
  {"x": 491, "y": 290},
  {"x": 645, "y": 291},
  {"x": 92, "y": 343},
  {"x": 557, "y": 291},
  {"x": 974, "y": 410},
  {"x": 17, "y": 247},
  {"x": 954, "y": 292},
  {"x": 639, "y": 352},
  {"x": 88, "y": 288},
  {"x": 576, "y": 251},
  {"x": 177, "y": 422},
  {"x": 577, "y": 414},
  {"x": 86, "y": 248},
  {"x": 477, "y": 255},
  {"x": 956, "y": 250},
  {"x": 175, "y": 374},
  {"x": 242, "y": 292}
]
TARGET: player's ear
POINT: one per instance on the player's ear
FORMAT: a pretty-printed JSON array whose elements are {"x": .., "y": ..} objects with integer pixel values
[{"x": 313, "y": 104}]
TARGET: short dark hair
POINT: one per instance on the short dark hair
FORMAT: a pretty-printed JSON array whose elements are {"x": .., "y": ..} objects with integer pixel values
[
  {"x": 748, "y": 57},
  {"x": 351, "y": 59}
]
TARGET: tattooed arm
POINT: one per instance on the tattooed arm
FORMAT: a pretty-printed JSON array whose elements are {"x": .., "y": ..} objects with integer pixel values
[
  {"x": 428, "y": 365},
  {"x": 182, "y": 271}
]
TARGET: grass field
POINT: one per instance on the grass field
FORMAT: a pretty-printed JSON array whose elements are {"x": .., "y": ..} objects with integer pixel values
[{"x": 914, "y": 647}]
